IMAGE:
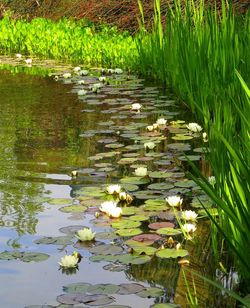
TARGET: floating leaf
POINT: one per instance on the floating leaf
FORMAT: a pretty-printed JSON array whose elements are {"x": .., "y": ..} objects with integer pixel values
[
  {"x": 148, "y": 194},
  {"x": 165, "y": 306},
  {"x": 160, "y": 174},
  {"x": 90, "y": 300},
  {"x": 160, "y": 186},
  {"x": 185, "y": 184},
  {"x": 73, "y": 209},
  {"x": 73, "y": 288},
  {"x": 130, "y": 210},
  {"x": 150, "y": 292},
  {"x": 144, "y": 250},
  {"x": 130, "y": 288},
  {"x": 10, "y": 255},
  {"x": 114, "y": 145},
  {"x": 139, "y": 217},
  {"x": 146, "y": 238},
  {"x": 158, "y": 225},
  {"x": 106, "y": 236},
  {"x": 57, "y": 240},
  {"x": 179, "y": 147},
  {"x": 106, "y": 249},
  {"x": 126, "y": 224},
  {"x": 115, "y": 267},
  {"x": 135, "y": 180},
  {"x": 190, "y": 157},
  {"x": 129, "y": 232},
  {"x": 103, "y": 289},
  {"x": 130, "y": 187},
  {"x": 171, "y": 253},
  {"x": 59, "y": 201},
  {"x": 71, "y": 229},
  {"x": 168, "y": 231},
  {"x": 182, "y": 137},
  {"x": 24, "y": 256}
]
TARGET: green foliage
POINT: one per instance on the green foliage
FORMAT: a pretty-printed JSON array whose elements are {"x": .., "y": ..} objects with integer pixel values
[{"x": 68, "y": 40}]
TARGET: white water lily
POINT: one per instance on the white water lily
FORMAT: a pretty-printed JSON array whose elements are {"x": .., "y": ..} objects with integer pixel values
[
  {"x": 194, "y": 127},
  {"x": 212, "y": 180},
  {"x": 76, "y": 69},
  {"x": 123, "y": 196},
  {"x": 110, "y": 71},
  {"x": 113, "y": 189},
  {"x": 18, "y": 55},
  {"x": 68, "y": 261},
  {"x": 81, "y": 82},
  {"x": 74, "y": 173},
  {"x": 102, "y": 78},
  {"x": 141, "y": 171},
  {"x": 66, "y": 75},
  {"x": 82, "y": 92},
  {"x": 174, "y": 201},
  {"x": 149, "y": 145},
  {"x": 83, "y": 72},
  {"x": 150, "y": 128},
  {"x": 161, "y": 121},
  {"x": 115, "y": 212},
  {"x": 155, "y": 126},
  {"x": 107, "y": 206},
  {"x": 205, "y": 137},
  {"x": 28, "y": 61},
  {"x": 189, "y": 228},
  {"x": 189, "y": 215},
  {"x": 85, "y": 234},
  {"x": 118, "y": 71},
  {"x": 136, "y": 107}
]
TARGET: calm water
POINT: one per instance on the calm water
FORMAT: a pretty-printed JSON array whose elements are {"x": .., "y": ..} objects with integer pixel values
[{"x": 46, "y": 131}]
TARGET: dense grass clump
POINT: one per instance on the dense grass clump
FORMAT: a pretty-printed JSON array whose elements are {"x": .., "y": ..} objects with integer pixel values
[
  {"x": 68, "y": 40},
  {"x": 199, "y": 52}
]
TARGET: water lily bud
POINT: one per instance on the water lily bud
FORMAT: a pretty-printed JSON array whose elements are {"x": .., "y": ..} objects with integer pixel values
[
  {"x": 149, "y": 145},
  {"x": 129, "y": 199},
  {"x": 102, "y": 78},
  {"x": 178, "y": 246},
  {"x": 161, "y": 123},
  {"x": 118, "y": 71},
  {"x": 150, "y": 128},
  {"x": 212, "y": 180},
  {"x": 56, "y": 78},
  {"x": 141, "y": 171},
  {"x": 205, "y": 137},
  {"x": 170, "y": 241},
  {"x": 155, "y": 126},
  {"x": 174, "y": 201},
  {"x": 183, "y": 262},
  {"x": 194, "y": 127},
  {"x": 74, "y": 173},
  {"x": 123, "y": 196}
]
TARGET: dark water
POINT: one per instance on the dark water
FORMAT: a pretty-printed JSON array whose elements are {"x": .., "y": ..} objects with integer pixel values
[{"x": 46, "y": 131}]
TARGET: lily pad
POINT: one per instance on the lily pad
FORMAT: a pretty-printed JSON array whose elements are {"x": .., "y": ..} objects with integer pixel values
[
  {"x": 74, "y": 288},
  {"x": 165, "y": 306},
  {"x": 57, "y": 240},
  {"x": 130, "y": 288},
  {"x": 135, "y": 180},
  {"x": 129, "y": 210},
  {"x": 106, "y": 249},
  {"x": 151, "y": 292},
  {"x": 171, "y": 253},
  {"x": 71, "y": 229},
  {"x": 126, "y": 224},
  {"x": 144, "y": 250},
  {"x": 106, "y": 236},
  {"x": 160, "y": 186},
  {"x": 148, "y": 194},
  {"x": 168, "y": 231},
  {"x": 139, "y": 217},
  {"x": 73, "y": 209},
  {"x": 24, "y": 256},
  {"x": 103, "y": 289},
  {"x": 114, "y": 145},
  {"x": 185, "y": 184},
  {"x": 182, "y": 137},
  {"x": 158, "y": 225},
  {"x": 190, "y": 157},
  {"x": 147, "y": 238},
  {"x": 90, "y": 300},
  {"x": 130, "y": 187},
  {"x": 59, "y": 201},
  {"x": 129, "y": 232},
  {"x": 133, "y": 259},
  {"x": 179, "y": 147},
  {"x": 160, "y": 174}
]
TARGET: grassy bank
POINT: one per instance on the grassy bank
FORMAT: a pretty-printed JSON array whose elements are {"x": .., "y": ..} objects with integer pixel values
[
  {"x": 199, "y": 54},
  {"x": 77, "y": 42}
]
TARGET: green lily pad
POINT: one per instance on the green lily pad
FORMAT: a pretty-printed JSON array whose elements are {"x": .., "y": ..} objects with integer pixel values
[
  {"x": 160, "y": 186},
  {"x": 106, "y": 236},
  {"x": 10, "y": 255},
  {"x": 185, "y": 184},
  {"x": 165, "y": 306},
  {"x": 190, "y": 157},
  {"x": 74, "y": 288},
  {"x": 144, "y": 250},
  {"x": 57, "y": 240},
  {"x": 103, "y": 289},
  {"x": 59, "y": 201},
  {"x": 182, "y": 137},
  {"x": 71, "y": 229},
  {"x": 106, "y": 258},
  {"x": 133, "y": 259},
  {"x": 150, "y": 292},
  {"x": 126, "y": 224},
  {"x": 73, "y": 209},
  {"x": 130, "y": 187},
  {"x": 160, "y": 174},
  {"x": 135, "y": 180},
  {"x": 155, "y": 207},
  {"x": 171, "y": 253},
  {"x": 179, "y": 147},
  {"x": 115, "y": 267},
  {"x": 106, "y": 249},
  {"x": 114, "y": 145},
  {"x": 90, "y": 300},
  {"x": 129, "y": 210},
  {"x": 130, "y": 288},
  {"x": 127, "y": 161},
  {"x": 168, "y": 231},
  {"x": 129, "y": 232},
  {"x": 139, "y": 217},
  {"x": 24, "y": 256},
  {"x": 148, "y": 194}
]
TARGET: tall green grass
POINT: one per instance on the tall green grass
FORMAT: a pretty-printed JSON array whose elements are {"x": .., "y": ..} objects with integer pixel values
[
  {"x": 197, "y": 52},
  {"x": 73, "y": 41}
]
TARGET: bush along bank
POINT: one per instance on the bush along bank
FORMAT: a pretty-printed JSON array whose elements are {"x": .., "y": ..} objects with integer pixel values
[{"x": 204, "y": 58}]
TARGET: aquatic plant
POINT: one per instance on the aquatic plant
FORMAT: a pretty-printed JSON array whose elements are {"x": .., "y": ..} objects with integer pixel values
[
  {"x": 68, "y": 261},
  {"x": 85, "y": 234}
]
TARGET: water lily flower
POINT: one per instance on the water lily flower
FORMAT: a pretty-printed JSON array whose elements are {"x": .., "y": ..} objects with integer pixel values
[
  {"x": 161, "y": 121},
  {"x": 110, "y": 71},
  {"x": 107, "y": 206},
  {"x": 194, "y": 127},
  {"x": 205, "y": 137},
  {"x": 18, "y": 55},
  {"x": 85, "y": 234},
  {"x": 141, "y": 171},
  {"x": 76, "y": 69},
  {"x": 118, "y": 71},
  {"x": 74, "y": 173},
  {"x": 189, "y": 228},
  {"x": 155, "y": 126},
  {"x": 102, "y": 78},
  {"x": 28, "y": 61},
  {"x": 66, "y": 75},
  {"x": 178, "y": 246},
  {"x": 81, "y": 82},
  {"x": 136, "y": 107},
  {"x": 69, "y": 261},
  {"x": 83, "y": 72},
  {"x": 113, "y": 189},
  {"x": 212, "y": 180},
  {"x": 82, "y": 92},
  {"x": 174, "y": 201},
  {"x": 149, "y": 145},
  {"x": 56, "y": 78},
  {"x": 189, "y": 215},
  {"x": 150, "y": 128},
  {"x": 123, "y": 196},
  {"x": 115, "y": 212}
]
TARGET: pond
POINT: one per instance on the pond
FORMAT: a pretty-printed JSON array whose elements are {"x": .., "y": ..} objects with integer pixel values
[{"x": 60, "y": 149}]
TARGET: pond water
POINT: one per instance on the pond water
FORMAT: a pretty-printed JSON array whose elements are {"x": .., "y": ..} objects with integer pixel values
[{"x": 47, "y": 131}]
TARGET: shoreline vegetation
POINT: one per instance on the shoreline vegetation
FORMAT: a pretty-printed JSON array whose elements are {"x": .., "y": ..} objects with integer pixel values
[{"x": 204, "y": 57}]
